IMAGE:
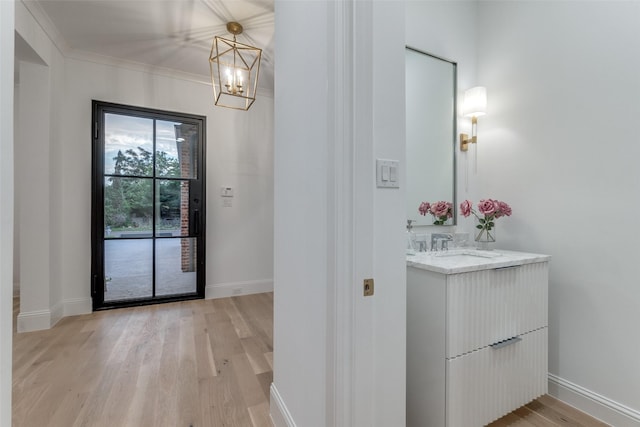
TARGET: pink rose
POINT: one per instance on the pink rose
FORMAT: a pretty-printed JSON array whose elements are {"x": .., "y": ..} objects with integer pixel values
[
  {"x": 465, "y": 208},
  {"x": 441, "y": 208},
  {"x": 503, "y": 209},
  {"x": 424, "y": 208},
  {"x": 488, "y": 206}
]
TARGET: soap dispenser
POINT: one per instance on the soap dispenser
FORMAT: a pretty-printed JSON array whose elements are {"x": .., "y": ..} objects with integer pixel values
[{"x": 411, "y": 239}]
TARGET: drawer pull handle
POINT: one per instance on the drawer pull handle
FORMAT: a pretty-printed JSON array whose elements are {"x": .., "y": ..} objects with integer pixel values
[{"x": 504, "y": 343}]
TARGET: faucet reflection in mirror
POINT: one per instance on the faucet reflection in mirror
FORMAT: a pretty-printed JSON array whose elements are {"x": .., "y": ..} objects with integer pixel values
[
  {"x": 474, "y": 106},
  {"x": 442, "y": 211}
]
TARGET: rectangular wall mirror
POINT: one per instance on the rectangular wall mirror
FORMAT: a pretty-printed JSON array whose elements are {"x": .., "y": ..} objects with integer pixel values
[{"x": 430, "y": 131}]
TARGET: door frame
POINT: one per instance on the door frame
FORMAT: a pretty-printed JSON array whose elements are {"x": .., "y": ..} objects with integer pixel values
[{"x": 197, "y": 221}]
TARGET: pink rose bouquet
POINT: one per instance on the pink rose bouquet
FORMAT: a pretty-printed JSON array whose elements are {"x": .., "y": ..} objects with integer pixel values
[
  {"x": 441, "y": 211},
  {"x": 488, "y": 211}
]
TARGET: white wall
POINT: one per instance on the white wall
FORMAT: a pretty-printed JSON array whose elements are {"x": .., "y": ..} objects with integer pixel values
[
  {"x": 6, "y": 207},
  {"x": 388, "y": 261},
  {"x": 301, "y": 225},
  {"x": 39, "y": 67},
  {"x": 239, "y": 154},
  {"x": 559, "y": 144},
  {"x": 339, "y": 358},
  {"x": 33, "y": 197}
]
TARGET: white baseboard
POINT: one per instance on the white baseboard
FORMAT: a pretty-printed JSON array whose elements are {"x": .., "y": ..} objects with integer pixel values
[
  {"x": 57, "y": 311},
  {"x": 76, "y": 306},
  {"x": 280, "y": 416},
  {"x": 34, "y": 320},
  {"x": 595, "y": 405},
  {"x": 233, "y": 289},
  {"x": 45, "y": 319}
]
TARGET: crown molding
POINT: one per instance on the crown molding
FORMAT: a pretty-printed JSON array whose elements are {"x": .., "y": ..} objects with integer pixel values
[{"x": 41, "y": 17}]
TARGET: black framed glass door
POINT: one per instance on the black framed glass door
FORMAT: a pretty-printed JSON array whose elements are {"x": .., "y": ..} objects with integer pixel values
[{"x": 148, "y": 206}]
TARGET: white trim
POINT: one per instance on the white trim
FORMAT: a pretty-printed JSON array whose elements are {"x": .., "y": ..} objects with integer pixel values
[
  {"x": 95, "y": 58},
  {"x": 39, "y": 320},
  {"x": 594, "y": 404},
  {"x": 280, "y": 416},
  {"x": 7, "y": 31},
  {"x": 154, "y": 70},
  {"x": 43, "y": 20},
  {"x": 340, "y": 228},
  {"x": 34, "y": 320},
  {"x": 57, "y": 312},
  {"x": 234, "y": 289},
  {"x": 77, "y": 306}
]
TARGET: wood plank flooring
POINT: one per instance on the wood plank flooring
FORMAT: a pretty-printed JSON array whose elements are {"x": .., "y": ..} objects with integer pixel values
[
  {"x": 197, "y": 363},
  {"x": 547, "y": 411},
  {"x": 205, "y": 363}
]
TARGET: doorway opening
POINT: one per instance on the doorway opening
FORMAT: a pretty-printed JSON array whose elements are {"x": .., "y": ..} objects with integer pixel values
[{"x": 148, "y": 206}]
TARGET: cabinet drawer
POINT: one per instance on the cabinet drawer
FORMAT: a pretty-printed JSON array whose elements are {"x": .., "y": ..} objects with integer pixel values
[
  {"x": 487, "y": 306},
  {"x": 487, "y": 384}
]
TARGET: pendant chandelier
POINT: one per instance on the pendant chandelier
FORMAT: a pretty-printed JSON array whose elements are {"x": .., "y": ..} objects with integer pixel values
[{"x": 234, "y": 70}]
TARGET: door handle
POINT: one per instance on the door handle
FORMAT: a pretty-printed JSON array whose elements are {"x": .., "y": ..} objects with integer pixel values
[{"x": 196, "y": 222}]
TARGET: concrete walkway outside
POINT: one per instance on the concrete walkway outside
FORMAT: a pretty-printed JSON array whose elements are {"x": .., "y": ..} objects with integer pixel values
[{"x": 128, "y": 269}]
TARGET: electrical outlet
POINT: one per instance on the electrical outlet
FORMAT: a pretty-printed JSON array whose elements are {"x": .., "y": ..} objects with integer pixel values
[{"x": 368, "y": 287}]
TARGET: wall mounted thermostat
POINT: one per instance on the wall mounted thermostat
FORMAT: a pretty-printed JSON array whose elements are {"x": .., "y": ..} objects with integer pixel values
[
  {"x": 387, "y": 173},
  {"x": 226, "y": 191}
]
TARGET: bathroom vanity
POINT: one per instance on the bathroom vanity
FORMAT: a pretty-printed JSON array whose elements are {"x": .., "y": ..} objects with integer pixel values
[{"x": 476, "y": 335}]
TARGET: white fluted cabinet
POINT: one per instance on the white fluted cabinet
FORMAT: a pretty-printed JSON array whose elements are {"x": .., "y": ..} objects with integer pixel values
[{"x": 476, "y": 336}]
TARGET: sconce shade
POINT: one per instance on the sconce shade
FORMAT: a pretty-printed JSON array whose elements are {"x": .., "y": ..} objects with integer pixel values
[
  {"x": 475, "y": 102},
  {"x": 234, "y": 73}
]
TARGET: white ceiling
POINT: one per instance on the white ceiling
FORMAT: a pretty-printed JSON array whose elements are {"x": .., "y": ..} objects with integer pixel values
[{"x": 165, "y": 35}]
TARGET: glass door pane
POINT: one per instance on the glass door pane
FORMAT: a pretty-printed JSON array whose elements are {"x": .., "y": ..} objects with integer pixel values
[
  {"x": 176, "y": 266},
  {"x": 172, "y": 208},
  {"x": 128, "y": 207},
  {"x": 176, "y": 149},
  {"x": 128, "y": 269},
  {"x": 128, "y": 145}
]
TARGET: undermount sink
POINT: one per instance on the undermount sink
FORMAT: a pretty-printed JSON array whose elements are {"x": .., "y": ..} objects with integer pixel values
[{"x": 467, "y": 253}]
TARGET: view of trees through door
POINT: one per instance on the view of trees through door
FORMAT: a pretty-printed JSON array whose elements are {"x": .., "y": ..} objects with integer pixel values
[{"x": 148, "y": 206}]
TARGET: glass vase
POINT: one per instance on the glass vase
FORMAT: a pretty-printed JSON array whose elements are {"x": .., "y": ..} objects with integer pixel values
[{"x": 485, "y": 234}]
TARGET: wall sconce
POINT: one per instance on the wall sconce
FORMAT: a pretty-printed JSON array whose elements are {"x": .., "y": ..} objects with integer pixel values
[{"x": 474, "y": 105}]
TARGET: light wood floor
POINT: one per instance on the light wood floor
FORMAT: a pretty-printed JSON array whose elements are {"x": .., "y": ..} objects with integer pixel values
[
  {"x": 198, "y": 363},
  {"x": 547, "y": 412},
  {"x": 205, "y": 363}
]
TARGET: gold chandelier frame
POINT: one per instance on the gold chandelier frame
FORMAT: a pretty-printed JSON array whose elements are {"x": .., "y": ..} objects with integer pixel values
[{"x": 235, "y": 68}]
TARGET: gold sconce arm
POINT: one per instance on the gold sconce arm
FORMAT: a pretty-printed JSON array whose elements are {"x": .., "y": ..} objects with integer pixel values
[{"x": 465, "y": 140}]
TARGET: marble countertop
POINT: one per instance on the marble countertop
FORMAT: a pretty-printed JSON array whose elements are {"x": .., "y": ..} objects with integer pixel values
[{"x": 466, "y": 260}]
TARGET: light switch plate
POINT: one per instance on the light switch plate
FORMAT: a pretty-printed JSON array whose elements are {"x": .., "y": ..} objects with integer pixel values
[{"x": 387, "y": 173}]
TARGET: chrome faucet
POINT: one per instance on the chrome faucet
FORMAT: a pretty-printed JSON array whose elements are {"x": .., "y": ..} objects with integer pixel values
[{"x": 443, "y": 238}]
